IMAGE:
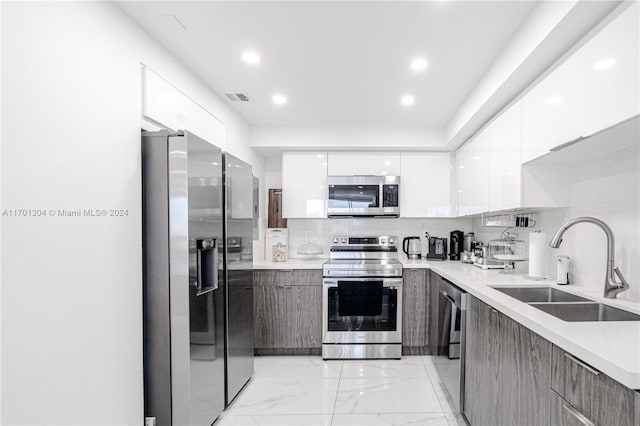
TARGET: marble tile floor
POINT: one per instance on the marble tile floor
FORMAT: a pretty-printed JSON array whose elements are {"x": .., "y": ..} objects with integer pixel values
[{"x": 307, "y": 391}]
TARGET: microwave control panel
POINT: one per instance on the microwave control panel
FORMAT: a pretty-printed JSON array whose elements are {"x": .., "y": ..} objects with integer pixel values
[{"x": 390, "y": 196}]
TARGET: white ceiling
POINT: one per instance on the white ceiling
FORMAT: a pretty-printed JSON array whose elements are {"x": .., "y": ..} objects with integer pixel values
[{"x": 338, "y": 63}]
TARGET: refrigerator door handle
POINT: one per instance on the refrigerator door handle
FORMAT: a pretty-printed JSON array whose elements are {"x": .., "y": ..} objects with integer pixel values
[{"x": 206, "y": 265}]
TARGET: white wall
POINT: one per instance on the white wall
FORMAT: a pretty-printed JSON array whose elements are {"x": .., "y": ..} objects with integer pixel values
[
  {"x": 72, "y": 286},
  {"x": 281, "y": 138},
  {"x": 608, "y": 188}
]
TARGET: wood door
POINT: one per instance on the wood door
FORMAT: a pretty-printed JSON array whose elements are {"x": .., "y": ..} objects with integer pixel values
[
  {"x": 523, "y": 363},
  {"x": 414, "y": 308},
  {"x": 481, "y": 378},
  {"x": 305, "y": 315},
  {"x": 275, "y": 219},
  {"x": 271, "y": 307}
]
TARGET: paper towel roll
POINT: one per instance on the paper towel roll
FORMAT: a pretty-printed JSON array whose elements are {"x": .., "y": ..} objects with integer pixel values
[{"x": 537, "y": 253}]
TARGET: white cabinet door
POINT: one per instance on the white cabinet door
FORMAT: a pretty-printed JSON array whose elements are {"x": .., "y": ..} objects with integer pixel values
[
  {"x": 425, "y": 184},
  {"x": 364, "y": 163},
  {"x": 504, "y": 171},
  {"x": 473, "y": 175},
  {"x": 304, "y": 184},
  {"x": 596, "y": 87}
]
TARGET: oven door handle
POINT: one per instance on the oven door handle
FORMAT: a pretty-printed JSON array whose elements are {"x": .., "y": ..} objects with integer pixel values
[{"x": 386, "y": 282}]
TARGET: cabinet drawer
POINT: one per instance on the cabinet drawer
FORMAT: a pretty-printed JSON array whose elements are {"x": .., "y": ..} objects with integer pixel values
[
  {"x": 564, "y": 414},
  {"x": 592, "y": 393},
  {"x": 287, "y": 277}
]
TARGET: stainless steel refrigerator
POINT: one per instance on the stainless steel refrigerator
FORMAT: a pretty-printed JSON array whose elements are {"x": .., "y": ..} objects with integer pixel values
[{"x": 191, "y": 319}]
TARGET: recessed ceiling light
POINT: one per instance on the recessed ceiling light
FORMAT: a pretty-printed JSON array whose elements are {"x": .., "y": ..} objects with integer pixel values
[
  {"x": 554, "y": 100},
  {"x": 419, "y": 64},
  {"x": 407, "y": 100},
  {"x": 604, "y": 64},
  {"x": 251, "y": 57},
  {"x": 279, "y": 99},
  {"x": 387, "y": 163}
]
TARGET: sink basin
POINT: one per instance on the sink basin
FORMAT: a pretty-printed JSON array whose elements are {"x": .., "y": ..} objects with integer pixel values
[
  {"x": 540, "y": 294},
  {"x": 575, "y": 312}
]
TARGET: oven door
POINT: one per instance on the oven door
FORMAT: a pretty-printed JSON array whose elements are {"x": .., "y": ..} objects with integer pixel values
[
  {"x": 362, "y": 310},
  {"x": 354, "y": 196}
]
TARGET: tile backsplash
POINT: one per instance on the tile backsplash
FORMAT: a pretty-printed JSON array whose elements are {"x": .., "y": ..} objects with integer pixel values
[{"x": 320, "y": 231}]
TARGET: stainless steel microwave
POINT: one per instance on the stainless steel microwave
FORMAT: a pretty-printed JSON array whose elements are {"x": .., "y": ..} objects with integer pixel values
[{"x": 365, "y": 196}]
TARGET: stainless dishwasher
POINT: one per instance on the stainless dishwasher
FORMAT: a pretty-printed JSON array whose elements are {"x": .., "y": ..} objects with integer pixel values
[{"x": 449, "y": 359}]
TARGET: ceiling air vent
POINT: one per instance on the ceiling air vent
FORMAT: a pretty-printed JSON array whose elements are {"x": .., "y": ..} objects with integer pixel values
[{"x": 237, "y": 97}]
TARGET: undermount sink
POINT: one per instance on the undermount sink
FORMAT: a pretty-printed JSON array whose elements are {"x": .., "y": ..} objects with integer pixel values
[
  {"x": 540, "y": 294},
  {"x": 576, "y": 312},
  {"x": 567, "y": 306}
]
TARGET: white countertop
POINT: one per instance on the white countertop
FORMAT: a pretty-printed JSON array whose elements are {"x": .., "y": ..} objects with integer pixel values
[
  {"x": 290, "y": 264},
  {"x": 612, "y": 347}
]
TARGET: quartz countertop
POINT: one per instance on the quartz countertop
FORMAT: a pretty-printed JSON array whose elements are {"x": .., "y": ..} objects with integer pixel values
[
  {"x": 612, "y": 347},
  {"x": 290, "y": 264}
]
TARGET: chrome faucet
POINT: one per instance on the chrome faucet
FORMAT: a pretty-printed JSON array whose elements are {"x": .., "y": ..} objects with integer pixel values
[{"x": 611, "y": 286}]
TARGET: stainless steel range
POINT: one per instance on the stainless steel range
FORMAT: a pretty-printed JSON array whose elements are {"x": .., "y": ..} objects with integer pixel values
[{"x": 362, "y": 299}]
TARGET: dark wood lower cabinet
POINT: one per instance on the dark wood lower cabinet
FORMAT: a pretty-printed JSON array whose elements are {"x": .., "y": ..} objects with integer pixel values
[
  {"x": 507, "y": 370},
  {"x": 287, "y": 311},
  {"x": 416, "y": 297},
  {"x": 481, "y": 364},
  {"x": 591, "y": 394}
]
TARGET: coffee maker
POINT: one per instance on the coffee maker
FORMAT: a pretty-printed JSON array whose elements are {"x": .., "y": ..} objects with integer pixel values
[{"x": 456, "y": 240}]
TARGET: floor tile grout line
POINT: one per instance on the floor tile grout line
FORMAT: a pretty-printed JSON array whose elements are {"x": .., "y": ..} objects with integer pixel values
[{"x": 335, "y": 401}]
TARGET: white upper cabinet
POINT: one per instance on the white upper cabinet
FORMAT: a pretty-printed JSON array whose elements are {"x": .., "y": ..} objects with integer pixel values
[
  {"x": 473, "y": 174},
  {"x": 597, "y": 87},
  {"x": 304, "y": 184},
  {"x": 425, "y": 184},
  {"x": 505, "y": 169},
  {"x": 364, "y": 163}
]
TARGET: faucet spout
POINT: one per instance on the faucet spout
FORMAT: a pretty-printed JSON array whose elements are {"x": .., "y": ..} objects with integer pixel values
[{"x": 611, "y": 285}]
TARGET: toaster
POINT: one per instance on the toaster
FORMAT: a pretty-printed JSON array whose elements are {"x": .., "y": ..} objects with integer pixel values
[{"x": 482, "y": 261}]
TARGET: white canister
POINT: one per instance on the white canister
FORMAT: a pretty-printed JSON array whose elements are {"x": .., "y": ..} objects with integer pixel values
[{"x": 563, "y": 264}]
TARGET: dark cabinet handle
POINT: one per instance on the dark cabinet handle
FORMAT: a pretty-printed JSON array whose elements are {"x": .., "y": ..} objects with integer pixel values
[
  {"x": 206, "y": 265},
  {"x": 582, "y": 364},
  {"x": 577, "y": 415}
]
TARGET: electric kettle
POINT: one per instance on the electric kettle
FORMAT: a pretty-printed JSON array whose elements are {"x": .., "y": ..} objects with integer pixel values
[{"x": 411, "y": 247}]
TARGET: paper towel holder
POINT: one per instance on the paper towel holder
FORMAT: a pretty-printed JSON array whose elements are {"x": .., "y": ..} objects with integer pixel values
[{"x": 530, "y": 277}]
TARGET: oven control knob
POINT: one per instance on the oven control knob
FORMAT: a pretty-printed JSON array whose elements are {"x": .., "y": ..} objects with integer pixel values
[
  {"x": 383, "y": 241},
  {"x": 344, "y": 241},
  {"x": 392, "y": 241},
  {"x": 336, "y": 241}
]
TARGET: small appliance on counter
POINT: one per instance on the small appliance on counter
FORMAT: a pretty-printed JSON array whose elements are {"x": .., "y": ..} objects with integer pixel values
[
  {"x": 411, "y": 247},
  {"x": 468, "y": 247},
  {"x": 481, "y": 260},
  {"x": 469, "y": 242},
  {"x": 456, "y": 239},
  {"x": 437, "y": 249}
]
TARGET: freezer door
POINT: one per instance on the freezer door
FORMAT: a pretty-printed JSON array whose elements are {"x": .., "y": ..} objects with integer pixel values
[{"x": 238, "y": 256}]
